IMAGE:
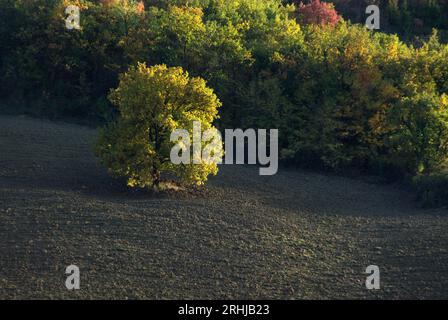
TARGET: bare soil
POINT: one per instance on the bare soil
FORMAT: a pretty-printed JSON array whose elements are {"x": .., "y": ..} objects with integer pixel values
[{"x": 295, "y": 235}]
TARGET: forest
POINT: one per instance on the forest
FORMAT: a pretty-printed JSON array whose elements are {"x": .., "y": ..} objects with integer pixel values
[
  {"x": 408, "y": 18},
  {"x": 345, "y": 99}
]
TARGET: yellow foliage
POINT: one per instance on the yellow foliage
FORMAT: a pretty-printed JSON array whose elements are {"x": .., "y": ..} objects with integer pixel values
[{"x": 153, "y": 102}]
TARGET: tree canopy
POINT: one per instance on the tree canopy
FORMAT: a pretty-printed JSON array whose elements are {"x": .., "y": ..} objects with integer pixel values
[{"x": 343, "y": 97}]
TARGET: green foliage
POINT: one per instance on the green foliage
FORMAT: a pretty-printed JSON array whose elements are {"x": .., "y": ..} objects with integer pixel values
[
  {"x": 69, "y": 69},
  {"x": 419, "y": 141},
  {"x": 152, "y": 103},
  {"x": 409, "y": 18},
  {"x": 343, "y": 98}
]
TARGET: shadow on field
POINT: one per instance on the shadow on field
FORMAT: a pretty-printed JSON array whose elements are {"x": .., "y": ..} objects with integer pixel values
[{"x": 293, "y": 235}]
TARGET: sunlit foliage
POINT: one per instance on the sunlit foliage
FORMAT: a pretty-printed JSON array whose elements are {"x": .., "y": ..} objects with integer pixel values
[
  {"x": 152, "y": 103},
  {"x": 344, "y": 98}
]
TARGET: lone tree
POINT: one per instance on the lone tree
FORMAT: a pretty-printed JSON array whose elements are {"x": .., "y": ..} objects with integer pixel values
[{"x": 152, "y": 103}]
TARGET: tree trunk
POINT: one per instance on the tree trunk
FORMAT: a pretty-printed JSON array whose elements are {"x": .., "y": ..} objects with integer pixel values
[{"x": 155, "y": 177}]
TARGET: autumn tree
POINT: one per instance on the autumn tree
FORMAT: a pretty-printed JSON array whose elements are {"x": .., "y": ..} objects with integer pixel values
[
  {"x": 319, "y": 13},
  {"x": 152, "y": 103}
]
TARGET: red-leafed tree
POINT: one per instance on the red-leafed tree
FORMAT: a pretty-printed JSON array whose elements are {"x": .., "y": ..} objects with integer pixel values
[{"x": 317, "y": 12}]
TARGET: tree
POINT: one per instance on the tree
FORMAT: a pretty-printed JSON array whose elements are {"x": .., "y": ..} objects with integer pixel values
[
  {"x": 317, "y": 12},
  {"x": 153, "y": 102},
  {"x": 420, "y": 139}
]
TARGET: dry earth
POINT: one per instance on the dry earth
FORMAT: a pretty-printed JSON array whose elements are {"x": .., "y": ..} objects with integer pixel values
[{"x": 292, "y": 236}]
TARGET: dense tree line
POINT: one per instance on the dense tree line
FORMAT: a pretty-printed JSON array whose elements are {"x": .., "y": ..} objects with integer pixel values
[
  {"x": 344, "y": 98},
  {"x": 408, "y": 18}
]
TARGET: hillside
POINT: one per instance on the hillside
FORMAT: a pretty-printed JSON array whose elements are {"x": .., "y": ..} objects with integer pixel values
[{"x": 294, "y": 235}]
